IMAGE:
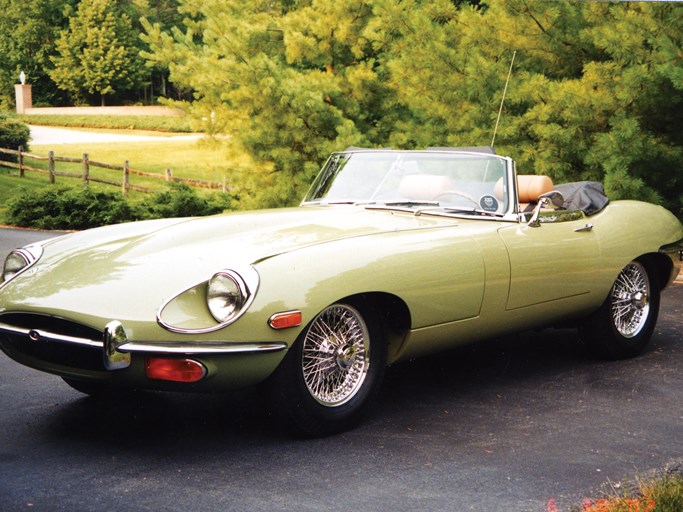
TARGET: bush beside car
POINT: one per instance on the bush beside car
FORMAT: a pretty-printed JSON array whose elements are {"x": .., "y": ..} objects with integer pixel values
[
  {"x": 59, "y": 208},
  {"x": 13, "y": 135}
]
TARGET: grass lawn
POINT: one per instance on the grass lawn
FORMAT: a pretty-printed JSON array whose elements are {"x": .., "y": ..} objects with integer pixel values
[
  {"x": 211, "y": 161},
  {"x": 156, "y": 123}
]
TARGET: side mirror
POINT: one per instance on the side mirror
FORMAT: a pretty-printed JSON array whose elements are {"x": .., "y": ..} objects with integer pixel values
[{"x": 553, "y": 200}]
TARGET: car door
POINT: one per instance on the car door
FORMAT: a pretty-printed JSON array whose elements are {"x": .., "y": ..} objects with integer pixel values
[{"x": 551, "y": 262}]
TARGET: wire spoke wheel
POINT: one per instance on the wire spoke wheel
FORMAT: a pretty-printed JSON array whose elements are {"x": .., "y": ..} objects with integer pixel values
[
  {"x": 624, "y": 324},
  {"x": 631, "y": 300},
  {"x": 333, "y": 372},
  {"x": 336, "y": 355}
]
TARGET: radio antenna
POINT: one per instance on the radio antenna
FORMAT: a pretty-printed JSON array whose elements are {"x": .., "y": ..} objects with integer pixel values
[{"x": 505, "y": 90}]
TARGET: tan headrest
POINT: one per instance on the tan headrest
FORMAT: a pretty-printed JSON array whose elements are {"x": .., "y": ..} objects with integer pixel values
[
  {"x": 530, "y": 187},
  {"x": 424, "y": 187}
]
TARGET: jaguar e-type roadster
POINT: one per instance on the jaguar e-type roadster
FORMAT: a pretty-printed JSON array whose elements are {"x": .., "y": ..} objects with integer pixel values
[{"x": 392, "y": 254}]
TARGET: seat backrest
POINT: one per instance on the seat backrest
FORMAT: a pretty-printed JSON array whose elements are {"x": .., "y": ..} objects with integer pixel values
[
  {"x": 531, "y": 186},
  {"x": 423, "y": 187}
]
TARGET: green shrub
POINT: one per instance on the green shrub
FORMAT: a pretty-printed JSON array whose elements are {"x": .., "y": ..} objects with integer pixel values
[
  {"x": 180, "y": 200},
  {"x": 13, "y": 134},
  {"x": 59, "y": 208}
]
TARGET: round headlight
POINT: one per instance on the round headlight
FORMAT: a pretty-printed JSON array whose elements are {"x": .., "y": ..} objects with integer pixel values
[
  {"x": 226, "y": 295},
  {"x": 13, "y": 264},
  {"x": 19, "y": 259}
]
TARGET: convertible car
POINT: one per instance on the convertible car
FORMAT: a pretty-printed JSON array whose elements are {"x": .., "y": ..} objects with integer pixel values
[{"x": 392, "y": 254}]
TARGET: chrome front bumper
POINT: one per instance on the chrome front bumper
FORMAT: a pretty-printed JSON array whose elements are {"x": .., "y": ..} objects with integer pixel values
[{"x": 117, "y": 349}]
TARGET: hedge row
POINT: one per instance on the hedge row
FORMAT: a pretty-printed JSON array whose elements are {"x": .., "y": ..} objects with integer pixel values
[{"x": 60, "y": 208}]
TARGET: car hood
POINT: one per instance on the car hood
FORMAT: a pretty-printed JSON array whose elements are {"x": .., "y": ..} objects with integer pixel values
[
  {"x": 237, "y": 237},
  {"x": 130, "y": 269}
]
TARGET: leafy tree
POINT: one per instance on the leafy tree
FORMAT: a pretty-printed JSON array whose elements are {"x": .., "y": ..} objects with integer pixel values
[
  {"x": 28, "y": 31},
  {"x": 98, "y": 53}
]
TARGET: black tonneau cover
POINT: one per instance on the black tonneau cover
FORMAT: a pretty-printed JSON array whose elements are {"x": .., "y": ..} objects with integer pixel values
[{"x": 588, "y": 196}]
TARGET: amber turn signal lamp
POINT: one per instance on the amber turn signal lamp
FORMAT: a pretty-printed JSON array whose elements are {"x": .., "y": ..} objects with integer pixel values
[
  {"x": 284, "y": 320},
  {"x": 175, "y": 370}
]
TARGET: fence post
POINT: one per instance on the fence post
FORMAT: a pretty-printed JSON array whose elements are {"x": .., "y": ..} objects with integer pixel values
[
  {"x": 51, "y": 166},
  {"x": 126, "y": 174},
  {"x": 21, "y": 162},
  {"x": 86, "y": 170},
  {"x": 168, "y": 173}
]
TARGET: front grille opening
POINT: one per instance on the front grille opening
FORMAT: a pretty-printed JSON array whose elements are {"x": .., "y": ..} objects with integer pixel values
[
  {"x": 67, "y": 355},
  {"x": 50, "y": 324}
]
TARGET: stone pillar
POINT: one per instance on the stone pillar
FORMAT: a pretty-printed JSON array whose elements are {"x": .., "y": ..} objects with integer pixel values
[{"x": 24, "y": 97}]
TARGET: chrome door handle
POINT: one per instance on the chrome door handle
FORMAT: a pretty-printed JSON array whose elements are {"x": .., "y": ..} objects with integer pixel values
[{"x": 587, "y": 227}]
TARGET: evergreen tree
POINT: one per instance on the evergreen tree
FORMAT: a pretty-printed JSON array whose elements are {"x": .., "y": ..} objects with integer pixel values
[
  {"x": 165, "y": 13},
  {"x": 596, "y": 90},
  {"x": 289, "y": 82}
]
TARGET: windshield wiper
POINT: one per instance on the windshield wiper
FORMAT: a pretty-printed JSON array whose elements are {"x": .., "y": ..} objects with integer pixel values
[
  {"x": 332, "y": 203},
  {"x": 409, "y": 203},
  {"x": 476, "y": 211}
]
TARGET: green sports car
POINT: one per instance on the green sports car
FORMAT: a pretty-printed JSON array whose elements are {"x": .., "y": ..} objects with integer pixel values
[{"x": 392, "y": 254}]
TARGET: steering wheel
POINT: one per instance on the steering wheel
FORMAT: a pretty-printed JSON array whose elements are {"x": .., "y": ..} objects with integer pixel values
[{"x": 457, "y": 193}]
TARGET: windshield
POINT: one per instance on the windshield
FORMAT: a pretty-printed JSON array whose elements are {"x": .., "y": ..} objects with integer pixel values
[{"x": 459, "y": 181}]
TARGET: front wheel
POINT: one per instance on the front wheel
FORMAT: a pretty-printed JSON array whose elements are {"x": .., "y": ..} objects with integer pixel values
[
  {"x": 329, "y": 377},
  {"x": 624, "y": 324}
]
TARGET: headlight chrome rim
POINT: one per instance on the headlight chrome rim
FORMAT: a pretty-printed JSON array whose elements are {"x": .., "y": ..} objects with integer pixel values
[
  {"x": 248, "y": 282},
  {"x": 26, "y": 257}
]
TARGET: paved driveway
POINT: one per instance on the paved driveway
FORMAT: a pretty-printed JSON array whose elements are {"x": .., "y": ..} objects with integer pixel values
[{"x": 48, "y": 135}]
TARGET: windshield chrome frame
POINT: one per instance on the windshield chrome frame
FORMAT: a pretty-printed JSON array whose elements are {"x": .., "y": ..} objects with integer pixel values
[{"x": 511, "y": 214}]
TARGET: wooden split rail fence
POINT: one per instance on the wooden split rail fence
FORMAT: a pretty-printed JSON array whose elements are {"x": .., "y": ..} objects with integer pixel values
[{"x": 87, "y": 164}]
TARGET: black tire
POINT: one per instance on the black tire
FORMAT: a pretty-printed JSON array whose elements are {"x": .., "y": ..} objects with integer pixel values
[
  {"x": 332, "y": 373},
  {"x": 624, "y": 324}
]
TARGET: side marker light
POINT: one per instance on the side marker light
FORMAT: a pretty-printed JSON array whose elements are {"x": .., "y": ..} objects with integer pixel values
[
  {"x": 174, "y": 370},
  {"x": 285, "y": 320}
]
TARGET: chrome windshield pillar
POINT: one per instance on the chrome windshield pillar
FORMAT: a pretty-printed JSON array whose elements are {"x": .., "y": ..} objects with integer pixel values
[{"x": 114, "y": 337}]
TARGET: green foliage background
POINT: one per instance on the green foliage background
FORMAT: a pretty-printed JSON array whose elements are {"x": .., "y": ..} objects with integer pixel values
[{"x": 596, "y": 91}]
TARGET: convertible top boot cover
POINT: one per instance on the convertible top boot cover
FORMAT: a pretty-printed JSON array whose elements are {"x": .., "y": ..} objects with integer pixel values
[{"x": 588, "y": 196}]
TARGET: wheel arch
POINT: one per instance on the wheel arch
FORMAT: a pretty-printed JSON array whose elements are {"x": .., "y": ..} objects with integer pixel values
[
  {"x": 660, "y": 267},
  {"x": 392, "y": 314}
]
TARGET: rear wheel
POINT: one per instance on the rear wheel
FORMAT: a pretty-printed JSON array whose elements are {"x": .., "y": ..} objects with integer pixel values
[
  {"x": 624, "y": 324},
  {"x": 332, "y": 373}
]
